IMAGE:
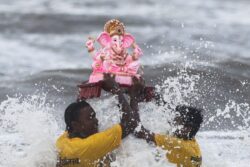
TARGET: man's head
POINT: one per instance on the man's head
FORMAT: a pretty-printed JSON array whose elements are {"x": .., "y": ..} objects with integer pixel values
[
  {"x": 80, "y": 118},
  {"x": 188, "y": 121}
]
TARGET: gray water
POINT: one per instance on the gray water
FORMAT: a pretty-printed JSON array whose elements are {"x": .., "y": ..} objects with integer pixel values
[{"x": 203, "y": 45}]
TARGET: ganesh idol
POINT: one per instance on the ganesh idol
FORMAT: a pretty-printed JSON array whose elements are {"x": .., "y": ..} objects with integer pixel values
[{"x": 113, "y": 56}]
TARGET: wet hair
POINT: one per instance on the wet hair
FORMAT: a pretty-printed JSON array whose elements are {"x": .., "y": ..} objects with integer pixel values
[
  {"x": 72, "y": 113},
  {"x": 191, "y": 117}
]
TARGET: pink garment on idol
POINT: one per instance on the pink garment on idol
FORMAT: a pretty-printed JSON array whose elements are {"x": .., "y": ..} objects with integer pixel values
[{"x": 122, "y": 65}]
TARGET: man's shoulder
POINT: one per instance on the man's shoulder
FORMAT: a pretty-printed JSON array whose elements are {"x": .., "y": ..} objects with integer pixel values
[
  {"x": 113, "y": 130},
  {"x": 63, "y": 136},
  {"x": 61, "y": 140}
]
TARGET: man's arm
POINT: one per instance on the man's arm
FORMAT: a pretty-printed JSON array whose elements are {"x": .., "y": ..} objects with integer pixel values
[
  {"x": 140, "y": 131},
  {"x": 136, "y": 92},
  {"x": 127, "y": 123}
]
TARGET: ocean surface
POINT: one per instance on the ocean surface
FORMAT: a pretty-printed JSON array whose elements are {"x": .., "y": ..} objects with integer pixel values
[{"x": 195, "y": 52}]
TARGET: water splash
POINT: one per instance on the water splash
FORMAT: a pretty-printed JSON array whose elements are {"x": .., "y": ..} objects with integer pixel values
[
  {"x": 234, "y": 116},
  {"x": 180, "y": 89},
  {"x": 28, "y": 132},
  {"x": 29, "y": 128}
]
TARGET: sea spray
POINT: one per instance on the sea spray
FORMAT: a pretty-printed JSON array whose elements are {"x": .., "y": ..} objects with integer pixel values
[
  {"x": 234, "y": 116},
  {"x": 28, "y": 132},
  {"x": 157, "y": 118},
  {"x": 29, "y": 129}
]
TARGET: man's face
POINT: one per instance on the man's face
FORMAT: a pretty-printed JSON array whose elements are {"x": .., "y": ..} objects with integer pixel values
[
  {"x": 181, "y": 130},
  {"x": 88, "y": 123}
]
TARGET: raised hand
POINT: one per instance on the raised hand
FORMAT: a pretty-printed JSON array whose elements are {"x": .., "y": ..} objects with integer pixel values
[
  {"x": 90, "y": 44},
  {"x": 137, "y": 52},
  {"x": 109, "y": 84},
  {"x": 136, "y": 91}
]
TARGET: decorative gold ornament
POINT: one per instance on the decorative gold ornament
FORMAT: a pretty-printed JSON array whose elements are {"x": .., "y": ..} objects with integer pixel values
[{"x": 114, "y": 27}]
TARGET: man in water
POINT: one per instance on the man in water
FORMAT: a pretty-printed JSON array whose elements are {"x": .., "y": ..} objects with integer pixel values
[
  {"x": 82, "y": 144},
  {"x": 182, "y": 148}
]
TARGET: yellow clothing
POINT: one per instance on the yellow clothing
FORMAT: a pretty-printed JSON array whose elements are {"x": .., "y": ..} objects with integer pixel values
[
  {"x": 87, "y": 152},
  {"x": 184, "y": 153}
]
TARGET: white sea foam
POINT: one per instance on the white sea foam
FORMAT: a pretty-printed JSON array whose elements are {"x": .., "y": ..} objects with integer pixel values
[
  {"x": 34, "y": 52},
  {"x": 29, "y": 128},
  {"x": 28, "y": 132},
  {"x": 26, "y": 55},
  {"x": 178, "y": 9}
]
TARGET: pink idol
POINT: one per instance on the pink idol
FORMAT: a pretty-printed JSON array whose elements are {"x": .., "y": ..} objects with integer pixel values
[{"x": 113, "y": 56}]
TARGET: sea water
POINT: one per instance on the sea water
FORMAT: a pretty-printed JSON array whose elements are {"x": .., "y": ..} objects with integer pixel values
[
  {"x": 29, "y": 129},
  {"x": 195, "y": 53}
]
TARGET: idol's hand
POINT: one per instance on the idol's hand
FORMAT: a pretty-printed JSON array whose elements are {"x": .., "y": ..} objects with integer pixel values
[{"x": 90, "y": 44}]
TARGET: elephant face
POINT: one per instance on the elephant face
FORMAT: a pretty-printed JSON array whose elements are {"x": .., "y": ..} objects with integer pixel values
[{"x": 117, "y": 42}]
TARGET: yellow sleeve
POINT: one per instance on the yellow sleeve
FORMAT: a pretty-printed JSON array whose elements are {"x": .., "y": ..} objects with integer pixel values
[
  {"x": 167, "y": 142},
  {"x": 103, "y": 142}
]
